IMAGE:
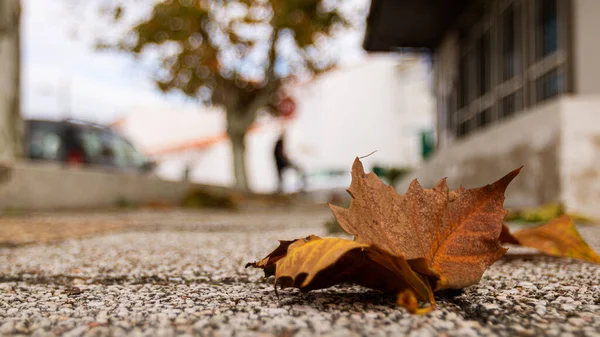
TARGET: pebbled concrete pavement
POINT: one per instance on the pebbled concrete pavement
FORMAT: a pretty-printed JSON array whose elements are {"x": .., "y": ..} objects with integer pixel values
[{"x": 183, "y": 274}]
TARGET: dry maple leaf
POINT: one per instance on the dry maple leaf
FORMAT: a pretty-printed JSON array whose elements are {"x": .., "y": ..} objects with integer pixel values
[
  {"x": 268, "y": 264},
  {"x": 316, "y": 263},
  {"x": 506, "y": 236},
  {"x": 558, "y": 237},
  {"x": 456, "y": 232}
]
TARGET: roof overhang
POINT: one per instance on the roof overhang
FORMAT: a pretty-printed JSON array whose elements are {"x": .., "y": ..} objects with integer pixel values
[{"x": 410, "y": 23}]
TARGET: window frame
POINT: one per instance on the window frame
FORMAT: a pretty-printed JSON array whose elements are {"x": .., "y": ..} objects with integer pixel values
[{"x": 526, "y": 80}]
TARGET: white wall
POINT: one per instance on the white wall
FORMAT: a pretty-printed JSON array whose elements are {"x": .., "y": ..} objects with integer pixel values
[
  {"x": 530, "y": 139},
  {"x": 152, "y": 128},
  {"x": 557, "y": 142},
  {"x": 580, "y": 154},
  {"x": 34, "y": 186},
  {"x": 378, "y": 105}
]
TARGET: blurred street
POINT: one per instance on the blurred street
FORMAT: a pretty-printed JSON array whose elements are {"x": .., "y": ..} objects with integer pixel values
[{"x": 161, "y": 273}]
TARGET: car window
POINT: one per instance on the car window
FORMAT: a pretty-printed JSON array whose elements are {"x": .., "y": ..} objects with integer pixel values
[
  {"x": 99, "y": 147},
  {"x": 45, "y": 141},
  {"x": 92, "y": 144},
  {"x": 125, "y": 154},
  {"x": 122, "y": 156},
  {"x": 108, "y": 149},
  {"x": 136, "y": 158}
]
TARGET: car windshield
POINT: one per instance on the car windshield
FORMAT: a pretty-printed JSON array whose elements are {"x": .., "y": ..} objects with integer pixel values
[{"x": 108, "y": 149}]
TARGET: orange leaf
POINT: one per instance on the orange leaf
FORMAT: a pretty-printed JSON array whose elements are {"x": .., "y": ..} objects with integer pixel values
[
  {"x": 456, "y": 232},
  {"x": 558, "y": 237},
  {"x": 507, "y": 237},
  {"x": 321, "y": 263},
  {"x": 268, "y": 263}
]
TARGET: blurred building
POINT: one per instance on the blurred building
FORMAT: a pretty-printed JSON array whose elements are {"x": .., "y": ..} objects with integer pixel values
[
  {"x": 381, "y": 104},
  {"x": 516, "y": 83}
]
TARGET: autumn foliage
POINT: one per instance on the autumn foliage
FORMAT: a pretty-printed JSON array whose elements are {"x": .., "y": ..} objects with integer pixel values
[{"x": 415, "y": 244}]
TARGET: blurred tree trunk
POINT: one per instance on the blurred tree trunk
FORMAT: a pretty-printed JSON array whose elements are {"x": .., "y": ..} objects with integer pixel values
[
  {"x": 241, "y": 113},
  {"x": 11, "y": 125},
  {"x": 238, "y": 148},
  {"x": 236, "y": 129}
]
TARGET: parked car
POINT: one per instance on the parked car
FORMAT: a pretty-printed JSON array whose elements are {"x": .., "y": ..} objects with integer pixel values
[{"x": 78, "y": 143}]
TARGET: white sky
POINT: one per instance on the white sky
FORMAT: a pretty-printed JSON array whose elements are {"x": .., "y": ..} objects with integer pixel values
[{"x": 66, "y": 77}]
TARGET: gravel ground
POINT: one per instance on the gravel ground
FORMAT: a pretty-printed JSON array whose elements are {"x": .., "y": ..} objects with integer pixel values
[{"x": 187, "y": 277}]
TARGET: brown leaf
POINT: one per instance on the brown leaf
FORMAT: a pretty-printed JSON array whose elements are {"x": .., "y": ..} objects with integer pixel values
[
  {"x": 455, "y": 232},
  {"x": 558, "y": 237},
  {"x": 321, "y": 263},
  {"x": 268, "y": 263},
  {"x": 507, "y": 237}
]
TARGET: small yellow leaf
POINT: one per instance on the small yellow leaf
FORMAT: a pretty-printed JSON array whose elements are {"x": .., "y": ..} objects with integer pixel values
[{"x": 268, "y": 264}]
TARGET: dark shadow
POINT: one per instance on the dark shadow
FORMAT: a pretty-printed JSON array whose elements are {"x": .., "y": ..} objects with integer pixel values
[
  {"x": 448, "y": 294},
  {"x": 321, "y": 299},
  {"x": 534, "y": 257}
]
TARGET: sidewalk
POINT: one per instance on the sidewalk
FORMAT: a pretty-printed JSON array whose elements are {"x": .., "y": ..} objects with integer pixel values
[{"x": 167, "y": 273}]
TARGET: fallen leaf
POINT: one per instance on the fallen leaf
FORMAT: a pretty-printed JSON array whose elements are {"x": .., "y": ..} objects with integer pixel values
[
  {"x": 558, "y": 237},
  {"x": 320, "y": 263},
  {"x": 507, "y": 237},
  {"x": 268, "y": 264},
  {"x": 410, "y": 245},
  {"x": 543, "y": 214},
  {"x": 535, "y": 214},
  {"x": 455, "y": 232}
]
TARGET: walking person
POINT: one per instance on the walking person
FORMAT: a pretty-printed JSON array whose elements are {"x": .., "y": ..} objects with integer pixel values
[{"x": 283, "y": 162}]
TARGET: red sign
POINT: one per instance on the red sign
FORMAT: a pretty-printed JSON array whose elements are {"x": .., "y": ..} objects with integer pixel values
[{"x": 287, "y": 107}]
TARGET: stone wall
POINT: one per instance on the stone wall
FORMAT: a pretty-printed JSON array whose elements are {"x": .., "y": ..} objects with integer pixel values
[
  {"x": 580, "y": 154},
  {"x": 32, "y": 186},
  {"x": 530, "y": 140},
  {"x": 557, "y": 142}
]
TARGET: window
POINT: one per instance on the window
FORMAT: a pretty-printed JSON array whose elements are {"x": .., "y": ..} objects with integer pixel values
[
  {"x": 550, "y": 81},
  {"x": 484, "y": 118},
  {"x": 485, "y": 64},
  {"x": 92, "y": 144},
  {"x": 511, "y": 57},
  {"x": 547, "y": 28},
  {"x": 464, "y": 98},
  {"x": 46, "y": 146},
  {"x": 511, "y": 42},
  {"x": 548, "y": 86},
  {"x": 134, "y": 158},
  {"x": 45, "y": 141},
  {"x": 120, "y": 152},
  {"x": 463, "y": 129},
  {"x": 510, "y": 105},
  {"x": 451, "y": 111}
]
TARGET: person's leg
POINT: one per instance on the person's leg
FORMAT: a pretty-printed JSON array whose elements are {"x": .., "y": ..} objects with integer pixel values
[
  {"x": 280, "y": 169},
  {"x": 300, "y": 173}
]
